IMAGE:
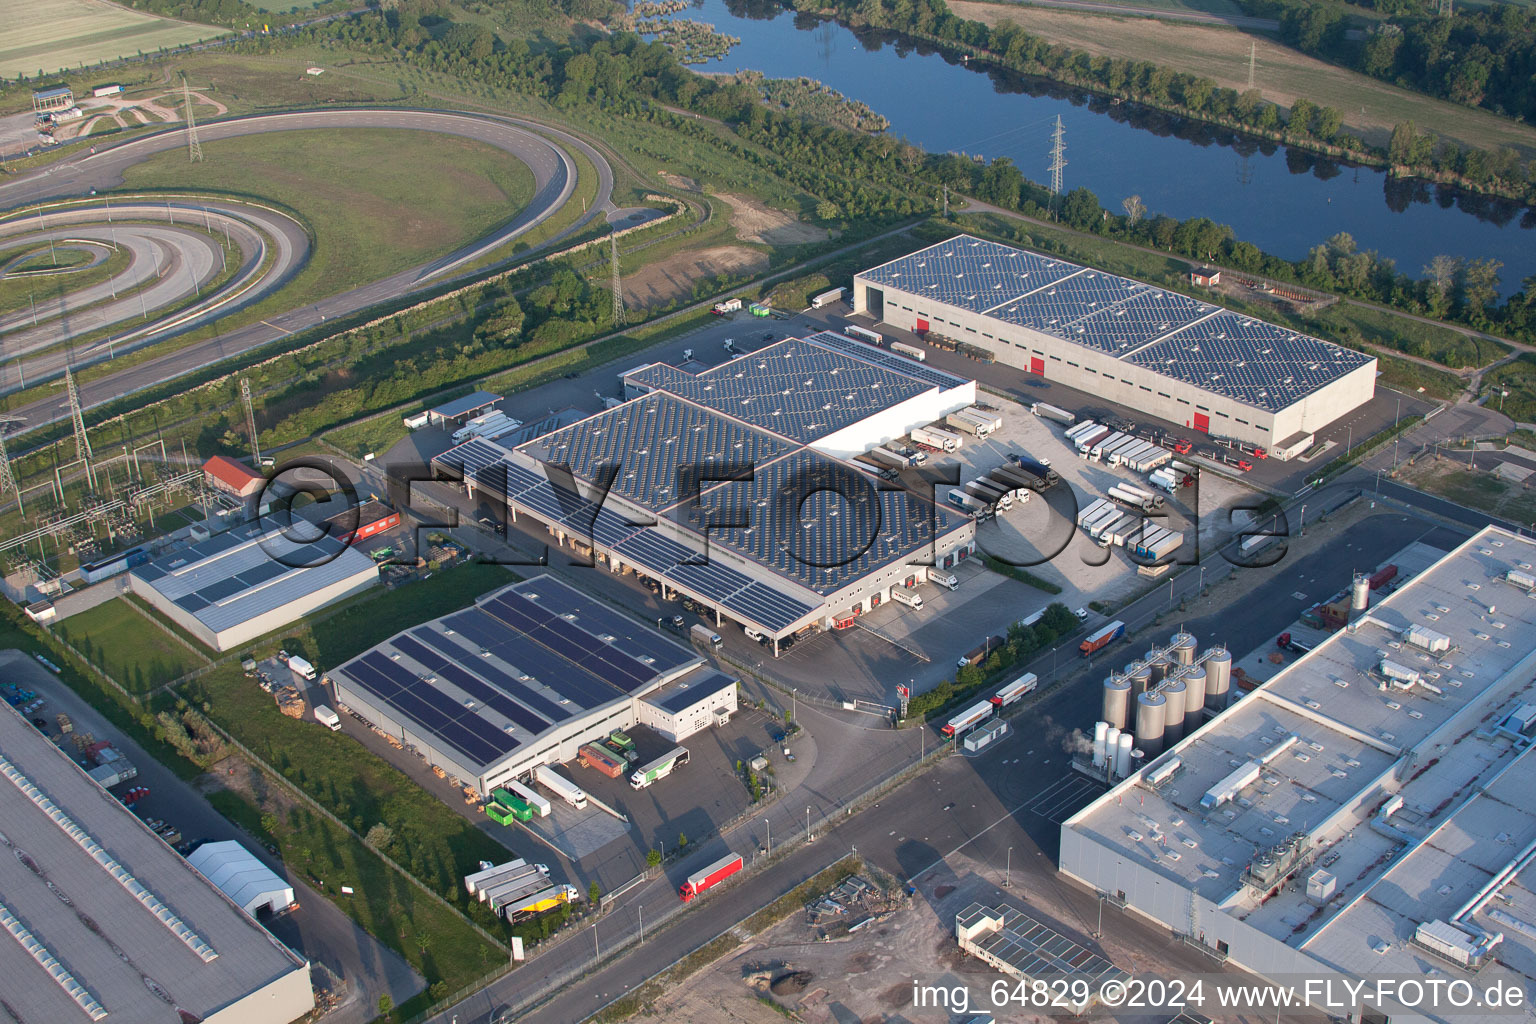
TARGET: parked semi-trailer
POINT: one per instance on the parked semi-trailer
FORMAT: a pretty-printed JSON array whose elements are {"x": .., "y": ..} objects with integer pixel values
[
  {"x": 934, "y": 437},
  {"x": 560, "y": 786},
  {"x": 1015, "y": 690},
  {"x": 910, "y": 351},
  {"x": 964, "y": 502},
  {"x": 659, "y": 768},
  {"x": 1050, "y": 412},
  {"x": 709, "y": 877},
  {"x": 540, "y": 806},
  {"x": 1044, "y": 476},
  {"x": 826, "y": 298},
  {"x": 976, "y": 655},
  {"x": 960, "y": 421},
  {"x": 547, "y": 898},
  {"x": 1102, "y": 637},
  {"x": 860, "y": 334},
  {"x": 1078, "y": 431},
  {"x": 110, "y": 774},
  {"x": 989, "y": 494},
  {"x": 968, "y": 719}
]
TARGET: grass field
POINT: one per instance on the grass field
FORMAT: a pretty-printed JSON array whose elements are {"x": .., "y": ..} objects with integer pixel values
[
  {"x": 134, "y": 651},
  {"x": 17, "y": 291},
  {"x": 49, "y": 35},
  {"x": 361, "y": 193},
  {"x": 1284, "y": 74}
]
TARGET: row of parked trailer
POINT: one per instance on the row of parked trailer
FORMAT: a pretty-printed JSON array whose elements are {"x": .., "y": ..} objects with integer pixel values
[
  {"x": 1096, "y": 442},
  {"x": 1002, "y": 487},
  {"x": 1110, "y": 524}
]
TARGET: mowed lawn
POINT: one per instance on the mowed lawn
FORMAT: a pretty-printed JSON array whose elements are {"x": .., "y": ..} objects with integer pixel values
[
  {"x": 133, "y": 650},
  {"x": 1370, "y": 106},
  {"x": 378, "y": 200},
  {"x": 49, "y": 35}
]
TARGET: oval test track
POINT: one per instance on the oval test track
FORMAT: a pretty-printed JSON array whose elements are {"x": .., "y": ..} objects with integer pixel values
[{"x": 554, "y": 182}]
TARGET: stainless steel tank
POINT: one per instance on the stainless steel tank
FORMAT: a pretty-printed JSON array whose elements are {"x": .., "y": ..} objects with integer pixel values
[
  {"x": 1218, "y": 679},
  {"x": 1182, "y": 648},
  {"x": 1194, "y": 698},
  {"x": 1140, "y": 676},
  {"x": 1159, "y": 666},
  {"x": 1150, "y": 708},
  {"x": 1173, "y": 715},
  {"x": 1117, "y": 702}
]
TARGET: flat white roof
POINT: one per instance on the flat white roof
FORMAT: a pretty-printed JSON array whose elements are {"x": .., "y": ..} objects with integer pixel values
[{"x": 1414, "y": 800}]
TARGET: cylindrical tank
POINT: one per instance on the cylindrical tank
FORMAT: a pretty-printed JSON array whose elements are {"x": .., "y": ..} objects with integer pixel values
[
  {"x": 1173, "y": 716},
  {"x": 1111, "y": 747},
  {"x": 1100, "y": 731},
  {"x": 1360, "y": 594},
  {"x": 1140, "y": 676},
  {"x": 1117, "y": 702},
  {"x": 1218, "y": 679},
  {"x": 1182, "y": 648},
  {"x": 1194, "y": 697},
  {"x": 1123, "y": 755},
  {"x": 1149, "y": 723},
  {"x": 1159, "y": 667}
]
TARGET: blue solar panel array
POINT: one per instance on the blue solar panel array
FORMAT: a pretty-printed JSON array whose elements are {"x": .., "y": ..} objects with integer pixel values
[
  {"x": 683, "y": 697},
  {"x": 971, "y": 273},
  {"x": 415, "y": 700},
  {"x": 1182, "y": 338},
  {"x": 887, "y": 360}
]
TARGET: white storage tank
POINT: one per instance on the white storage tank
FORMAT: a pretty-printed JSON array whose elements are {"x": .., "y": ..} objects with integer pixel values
[
  {"x": 1111, "y": 746},
  {"x": 1150, "y": 708},
  {"x": 1360, "y": 593},
  {"x": 1123, "y": 755},
  {"x": 1100, "y": 732},
  {"x": 1117, "y": 702}
]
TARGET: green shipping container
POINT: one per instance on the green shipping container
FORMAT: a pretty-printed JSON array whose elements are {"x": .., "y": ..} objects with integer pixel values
[
  {"x": 622, "y": 740},
  {"x": 499, "y": 814}
]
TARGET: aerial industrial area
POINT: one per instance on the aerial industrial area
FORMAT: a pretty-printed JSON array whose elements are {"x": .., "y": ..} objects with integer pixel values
[{"x": 497, "y": 526}]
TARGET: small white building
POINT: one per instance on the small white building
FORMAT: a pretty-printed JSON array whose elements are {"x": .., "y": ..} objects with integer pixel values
[
  {"x": 690, "y": 706},
  {"x": 241, "y": 877}
]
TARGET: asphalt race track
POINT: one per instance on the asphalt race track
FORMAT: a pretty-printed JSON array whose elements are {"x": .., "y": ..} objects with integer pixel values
[{"x": 272, "y": 249}]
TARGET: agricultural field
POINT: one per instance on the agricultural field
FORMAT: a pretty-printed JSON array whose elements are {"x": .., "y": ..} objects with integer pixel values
[
  {"x": 48, "y": 35},
  {"x": 132, "y": 650},
  {"x": 1370, "y": 107},
  {"x": 359, "y": 191}
]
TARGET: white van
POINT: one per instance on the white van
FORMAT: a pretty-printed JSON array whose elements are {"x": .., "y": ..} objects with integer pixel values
[
  {"x": 943, "y": 579},
  {"x": 912, "y": 600},
  {"x": 753, "y": 634}
]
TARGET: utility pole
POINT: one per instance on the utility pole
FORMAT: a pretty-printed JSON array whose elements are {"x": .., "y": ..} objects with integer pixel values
[
  {"x": 1253, "y": 59},
  {"x": 1058, "y": 160},
  {"x": 618, "y": 288},
  {"x": 7, "y": 480},
  {"x": 82, "y": 441},
  {"x": 250, "y": 418},
  {"x": 946, "y": 201},
  {"x": 194, "y": 147}
]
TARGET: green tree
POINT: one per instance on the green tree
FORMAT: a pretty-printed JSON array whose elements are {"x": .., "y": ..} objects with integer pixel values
[
  {"x": 652, "y": 858},
  {"x": 386, "y": 1006},
  {"x": 594, "y": 892}
]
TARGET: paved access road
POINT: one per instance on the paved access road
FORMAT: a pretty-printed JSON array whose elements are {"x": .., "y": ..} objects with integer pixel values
[{"x": 543, "y": 149}]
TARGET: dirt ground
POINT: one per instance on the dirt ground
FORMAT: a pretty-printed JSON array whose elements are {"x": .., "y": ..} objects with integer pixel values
[
  {"x": 119, "y": 112},
  {"x": 1370, "y": 107},
  {"x": 674, "y": 276},
  {"x": 238, "y": 775},
  {"x": 755, "y": 222},
  {"x": 1450, "y": 478}
]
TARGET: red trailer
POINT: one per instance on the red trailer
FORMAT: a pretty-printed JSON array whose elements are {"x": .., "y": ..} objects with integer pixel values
[
  {"x": 711, "y": 876},
  {"x": 1386, "y": 574},
  {"x": 594, "y": 756}
]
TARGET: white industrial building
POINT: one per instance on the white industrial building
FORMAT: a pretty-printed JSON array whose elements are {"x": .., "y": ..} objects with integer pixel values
[
  {"x": 105, "y": 922},
  {"x": 1365, "y": 813},
  {"x": 245, "y": 583},
  {"x": 253, "y": 886},
  {"x": 523, "y": 679},
  {"x": 1168, "y": 355},
  {"x": 709, "y": 482}
]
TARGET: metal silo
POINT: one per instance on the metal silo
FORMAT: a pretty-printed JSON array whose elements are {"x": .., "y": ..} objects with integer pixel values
[
  {"x": 1182, "y": 648},
  {"x": 1194, "y": 697},
  {"x": 1100, "y": 732},
  {"x": 1149, "y": 723},
  {"x": 1117, "y": 702},
  {"x": 1140, "y": 676},
  {"x": 1218, "y": 679},
  {"x": 1360, "y": 594},
  {"x": 1173, "y": 715},
  {"x": 1159, "y": 666},
  {"x": 1123, "y": 755}
]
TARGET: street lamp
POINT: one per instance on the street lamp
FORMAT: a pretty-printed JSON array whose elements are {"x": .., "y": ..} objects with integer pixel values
[
  {"x": 770, "y": 834},
  {"x": 642, "y": 924},
  {"x": 1397, "y": 415},
  {"x": 1348, "y": 447},
  {"x": 1008, "y": 870}
]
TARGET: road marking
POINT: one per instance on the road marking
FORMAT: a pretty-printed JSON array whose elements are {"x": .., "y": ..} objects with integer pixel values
[{"x": 276, "y": 328}]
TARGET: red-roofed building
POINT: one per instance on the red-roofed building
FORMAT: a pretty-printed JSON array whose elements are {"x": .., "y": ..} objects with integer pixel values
[{"x": 225, "y": 474}]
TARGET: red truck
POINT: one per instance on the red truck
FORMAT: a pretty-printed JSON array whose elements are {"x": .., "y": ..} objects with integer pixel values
[
  {"x": 709, "y": 877},
  {"x": 1098, "y": 639}
]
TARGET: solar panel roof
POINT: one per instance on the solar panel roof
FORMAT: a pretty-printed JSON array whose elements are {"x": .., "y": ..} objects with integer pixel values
[
  {"x": 1036, "y": 950},
  {"x": 795, "y": 389},
  {"x": 1255, "y": 362},
  {"x": 971, "y": 273},
  {"x": 886, "y": 360},
  {"x": 1251, "y": 361},
  {"x": 678, "y": 698},
  {"x": 469, "y": 403}
]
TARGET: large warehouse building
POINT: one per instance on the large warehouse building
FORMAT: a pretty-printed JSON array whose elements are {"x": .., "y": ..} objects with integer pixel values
[
  {"x": 106, "y": 922},
  {"x": 242, "y": 584},
  {"x": 729, "y": 485},
  {"x": 523, "y": 679},
  {"x": 1365, "y": 813},
  {"x": 1143, "y": 347}
]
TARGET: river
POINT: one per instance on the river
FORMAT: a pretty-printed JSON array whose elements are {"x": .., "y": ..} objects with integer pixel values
[{"x": 1285, "y": 201}]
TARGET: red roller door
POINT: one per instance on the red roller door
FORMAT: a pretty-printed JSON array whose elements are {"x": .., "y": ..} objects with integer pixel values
[
  {"x": 1037, "y": 366},
  {"x": 1202, "y": 422},
  {"x": 922, "y": 325}
]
